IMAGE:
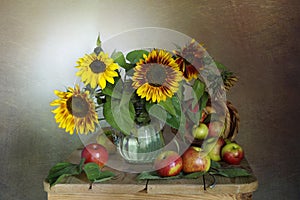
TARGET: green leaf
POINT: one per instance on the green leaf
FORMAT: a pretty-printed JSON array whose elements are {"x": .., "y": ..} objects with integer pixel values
[
  {"x": 203, "y": 102},
  {"x": 104, "y": 178},
  {"x": 231, "y": 172},
  {"x": 168, "y": 106},
  {"x": 57, "y": 180},
  {"x": 108, "y": 114},
  {"x": 81, "y": 164},
  {"x": 119, "y": 113},
  {"x": 176, "y": 121},
  {"x": 156, "y": 111},
  {"x": 134, "y": 56},
  {"x": 155, "y": 176},
  {"x": 173, "y": 121},
  {"x": 94, "y": 173},
  {"x": 62, "y": 170},
  {"x": 220, "y": 66},
  {"x": 194, "y": 175},
  {"x": 215, "y": 164},
  {"x": 198, "y": 88},
  {"x": 169, "y": 111},
  {"x": 119, "y": 58}
]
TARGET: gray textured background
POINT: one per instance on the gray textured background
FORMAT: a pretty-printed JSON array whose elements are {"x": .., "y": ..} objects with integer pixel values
[{"x": 41, "y": 40}]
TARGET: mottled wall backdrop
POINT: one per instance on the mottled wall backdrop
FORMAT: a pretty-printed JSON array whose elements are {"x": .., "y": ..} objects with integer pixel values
[{"x": 42, "y": 39}]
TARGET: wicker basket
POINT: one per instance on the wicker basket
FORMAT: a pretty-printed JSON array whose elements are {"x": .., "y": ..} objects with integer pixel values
[{"x": 231, "y": 120}]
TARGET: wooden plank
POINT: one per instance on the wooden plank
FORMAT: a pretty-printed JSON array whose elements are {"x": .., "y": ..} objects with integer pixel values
[
  {"x": 142, "y": 195},
  {"x": 191, "y": 186},
  {"x": 123, "y": 183}
]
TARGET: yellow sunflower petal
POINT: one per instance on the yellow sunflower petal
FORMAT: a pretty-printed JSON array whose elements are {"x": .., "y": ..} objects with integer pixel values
[{"x": 102, "y": 81}]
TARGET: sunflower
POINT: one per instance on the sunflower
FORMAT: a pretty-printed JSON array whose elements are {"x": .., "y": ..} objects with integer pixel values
[
  {"x": 75, "y": 111},
  {"x": 97, "y": 69},
  {"x": 190, "y": 60},
  {"x": 157, "y": 76}
]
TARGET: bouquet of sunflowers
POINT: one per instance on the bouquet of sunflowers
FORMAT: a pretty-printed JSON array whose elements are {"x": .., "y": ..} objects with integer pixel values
[
  {"x": 129, "y": 92},
  {"x": 152, "y": 77}
]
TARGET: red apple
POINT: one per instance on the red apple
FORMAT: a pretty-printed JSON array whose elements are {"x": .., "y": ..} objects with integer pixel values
[
  {"x": 214, "y": 146},
  {"x": 200, "y": 132},
  {"x": 195, "y": 160},
  {"x": 232, "y": 153},
  {"x": 168, "y": 163},
  {"x": 95, "y": 153},
  {"x": 215, "y": 128}
]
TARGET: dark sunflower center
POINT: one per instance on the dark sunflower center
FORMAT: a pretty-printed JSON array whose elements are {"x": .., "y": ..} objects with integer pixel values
[
  {"x": 156, "y": 75},
  {"x": 97, "y": 66},
  {"x": 77, "y": 106}
]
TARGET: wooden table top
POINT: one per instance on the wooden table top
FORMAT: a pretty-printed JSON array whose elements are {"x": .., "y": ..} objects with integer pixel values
[{"x": 127, "y": 183}]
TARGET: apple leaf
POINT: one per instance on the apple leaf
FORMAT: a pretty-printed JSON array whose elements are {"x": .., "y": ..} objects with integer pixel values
[
  {"x": 155, "y": 176},
  {"x": 215, "y": 164},
  {"x": 230, "y": 172},
  {"x": 194, "y": 175},
  {"x": 65, "y": 169},
  {"x": 62, "y": 170},
  {"x": 94, "y": 173}
]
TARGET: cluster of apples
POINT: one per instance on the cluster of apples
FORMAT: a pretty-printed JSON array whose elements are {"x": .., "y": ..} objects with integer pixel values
[
  {"x": 223, "y": 149},
  {"x": 218, "y": 147},
  {"x": 196, "y": 159},
  {"x": 170, "y": 163}
]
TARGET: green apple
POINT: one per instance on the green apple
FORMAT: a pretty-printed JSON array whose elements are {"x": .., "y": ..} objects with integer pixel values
[
  {"x": 232, "y": 153},
  {"x": 200, "y": 132},
  {"x": 214, "y": 146}
]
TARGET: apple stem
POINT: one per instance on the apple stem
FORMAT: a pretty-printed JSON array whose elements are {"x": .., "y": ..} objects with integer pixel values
[{"x": 227, "y": 141}]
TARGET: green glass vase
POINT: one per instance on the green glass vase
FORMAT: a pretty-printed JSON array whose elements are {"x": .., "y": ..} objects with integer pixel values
[{"x": 143, "y": 144}]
